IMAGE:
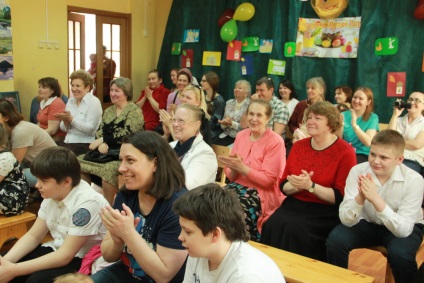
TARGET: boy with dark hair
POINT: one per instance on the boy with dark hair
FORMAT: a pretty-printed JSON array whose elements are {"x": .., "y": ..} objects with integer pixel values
[
  {"x": 70, "y": 212},
  {"x": 214, "y": 234},
  {"x": 381, "y": 206}
]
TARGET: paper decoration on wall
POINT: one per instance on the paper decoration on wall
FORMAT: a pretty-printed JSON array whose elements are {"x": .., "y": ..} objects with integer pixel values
[
  {"x": 191, "y": 35},
  {"x": 250, "y": 44},
  {"x": 234, "y": 50},
  {"x": 329, "y": 9},
  {"x": 211, "y": 58},
  {"x": 265, "y": 45},
  {"x": 276, "y": 67},
  {"x": 187, "y": 58},
  {"x": 386, "y": 46},
  {"x": 176, "y": 48},
  {"x": 246, "y": 65},
  {"x": 396, "y": 84},
  {"x": 337, "y": 38},
  {"x": 289, "y": 49}
]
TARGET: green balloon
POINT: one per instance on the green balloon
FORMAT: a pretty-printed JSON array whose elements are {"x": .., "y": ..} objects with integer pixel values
[{"x": 229, "y": 31}]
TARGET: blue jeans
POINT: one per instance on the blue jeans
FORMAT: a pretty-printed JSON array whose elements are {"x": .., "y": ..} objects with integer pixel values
[
  {"x": 115, "y": 273},
  {"x": 401, "y": 251}
]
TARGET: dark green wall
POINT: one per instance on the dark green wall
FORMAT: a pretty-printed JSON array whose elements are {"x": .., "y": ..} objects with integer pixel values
[{"x": 278, "y": 20}]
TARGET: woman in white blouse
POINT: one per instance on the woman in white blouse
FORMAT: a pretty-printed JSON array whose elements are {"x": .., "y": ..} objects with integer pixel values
[{"x": 82, "y": 115}]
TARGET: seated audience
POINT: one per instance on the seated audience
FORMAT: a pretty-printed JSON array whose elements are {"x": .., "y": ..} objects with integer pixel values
[
  {"x": 174, "y": 76},
  {"x": 119, "y": 120},
  {"x": 70, "y": 212},
  {"x": 343, "y": 97},
  {"x": 50, "y": 92},
  {"x": 255, "y": 167},
  {"x": 142, "y": 229},
  {"x": 314, "y": 181},
  {"x": 184, "y": 78},
  {"x": 214, "y": 101},
  {"x": 35, "y": 107},
  {"x": 235, "y": 111},
  {"x": 14, "y": 188},
  {"x": 196, "y": 156},
  {"x": 152, "y": 99},
  {"x": 279, "y": 111},
  {"x": 217, "y": 242},
  {"x": 411, "y": 127},
  {"x": 288, "y": 95},
  {"x": 26, "y": 139},
  {"x": 315, "y": 90},
  {"x": 360, "y": 124},
  {"x": 381, "y": 207},
  {"x": 82, "y": 114}
]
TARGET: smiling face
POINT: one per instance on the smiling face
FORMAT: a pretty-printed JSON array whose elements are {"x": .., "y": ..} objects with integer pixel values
[
  {"x": 360, "y": 101},
  {"x": 264, "y": 93},
  {"x": 184, "y": 125},
  {"x": 417, "y": 102},
  {"x": 45, "y": 92},
  {"x": 193, "y": 239},
  {"x": 317, "y": 125},
  {"x": 182, "y": 82},
  {"x": 174, "y": 75},
  {"x": 117, "y": 95},
  {"x": 79, "y": 90},
  {"x": 240, "y": 92},
  {"x": 340, "y": 96},
  {"x": 383, "y": 160},
  {"x": 153, "y": 80},
  {"x": 314, "y": 92},
  {"x": 189, "y": 97},
  {"x": 138, "y": 170},
  {"x": 257, "y": 118},
  {"x": 284, "y": 92}
]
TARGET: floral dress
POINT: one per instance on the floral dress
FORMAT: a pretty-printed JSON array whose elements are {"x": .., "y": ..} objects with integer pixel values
[{"x": 14, "y": 188}]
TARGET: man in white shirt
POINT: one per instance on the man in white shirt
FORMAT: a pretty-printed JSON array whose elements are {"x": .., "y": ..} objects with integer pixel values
[{"x": 381, "y": 206}]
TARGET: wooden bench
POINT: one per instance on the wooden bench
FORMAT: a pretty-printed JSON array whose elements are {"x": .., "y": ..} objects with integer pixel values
[
  {"x": 300, "y": 269},
  {"x": 14, "y": 226}
]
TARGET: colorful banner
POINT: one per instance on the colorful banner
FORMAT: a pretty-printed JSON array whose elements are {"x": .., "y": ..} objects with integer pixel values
[{"x": 335, "y": 38}]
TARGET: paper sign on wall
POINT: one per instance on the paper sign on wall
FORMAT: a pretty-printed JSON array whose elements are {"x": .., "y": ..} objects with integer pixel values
[
  {"x": 187, "y": 58},
  {"x": 176, "y": 48},
  {"x": 234, "y": 50},
  {"x": 211, "y": 58},
  {"x": 276, "y": 67},
  {"x": 386, "y": 46},
  {"x": 191, "y": 35},
  {"x": 246, "y": 65},
  {"x": 289, "y": 49},
  {"x": 396, "y": 84},
  {"x": 266, "y": 45}
]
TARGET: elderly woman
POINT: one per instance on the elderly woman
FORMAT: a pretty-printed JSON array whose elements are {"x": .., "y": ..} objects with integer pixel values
[
  {"x": 315, "y": 90},
  {"x": 343, "y": 97},
  {"x": 360, "y": 123},
  {"x": 82, "y": 114},
  {"x": 255, "y": 167},
  {"x": 26, "y": 139},
  {"x": 120, "y": 119},
  {"x": 288, "y": 95},
  {"x": 196, "y": 156},
  {"x": 411, "y": 127},
  {"x": 49, "y": 91},
  {"x": 214, "y": 101},
  {"x": 314, "y": 181},
  {"x": 234, "y": 111},
  {"x": 142, "y": 228}
]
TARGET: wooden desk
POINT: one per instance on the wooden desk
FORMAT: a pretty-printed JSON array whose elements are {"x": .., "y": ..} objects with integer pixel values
[
  {"x": 300, "y": 269},
  {"x": 14, "y": 226}
]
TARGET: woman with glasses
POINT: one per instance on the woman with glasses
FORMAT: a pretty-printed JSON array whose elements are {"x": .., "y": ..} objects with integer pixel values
[
  {"x": 360, "y": 124},
  {"x": 411, "y": 127},
  {"x": 196, "y": 156},
  {"x": 214, "y": 101}
]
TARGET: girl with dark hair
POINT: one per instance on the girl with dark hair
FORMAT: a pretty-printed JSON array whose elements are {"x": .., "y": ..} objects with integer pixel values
[
  {"x": 214, "y": 101},
  {"x": 150, "y": 251}
]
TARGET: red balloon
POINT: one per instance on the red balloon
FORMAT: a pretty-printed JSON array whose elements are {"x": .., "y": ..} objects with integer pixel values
[
  {"x": 226, "y": 16},
  {"x": 419, "y": 11}
]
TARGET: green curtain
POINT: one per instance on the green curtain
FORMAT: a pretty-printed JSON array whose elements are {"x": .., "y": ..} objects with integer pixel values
[{"x": 277, "y": 19}]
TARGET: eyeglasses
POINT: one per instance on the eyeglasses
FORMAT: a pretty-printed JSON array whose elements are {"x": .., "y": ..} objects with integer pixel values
[
  {"x": 203, "y": 81},
  {"x": 416, "y": 100},
  {"x": 180, "y": 122}
]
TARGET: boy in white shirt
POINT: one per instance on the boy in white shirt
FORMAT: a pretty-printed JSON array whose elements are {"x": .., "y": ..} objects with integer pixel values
[
  {"x": 381, "y": 206},
  {"x": 70, "y": 212},
  {"x": 214, "y": 234}
]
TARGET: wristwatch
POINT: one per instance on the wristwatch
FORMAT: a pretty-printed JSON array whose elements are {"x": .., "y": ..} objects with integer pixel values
[{"x": 312, "y": 189}]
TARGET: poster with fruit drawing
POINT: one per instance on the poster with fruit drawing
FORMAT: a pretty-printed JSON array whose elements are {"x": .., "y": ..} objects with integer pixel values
[{"x": 335, "y": 38}]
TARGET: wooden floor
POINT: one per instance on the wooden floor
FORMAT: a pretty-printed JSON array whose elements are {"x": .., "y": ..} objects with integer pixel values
[{"x": 364, "y": 261}]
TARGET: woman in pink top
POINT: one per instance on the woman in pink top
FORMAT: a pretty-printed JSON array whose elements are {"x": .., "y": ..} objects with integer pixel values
[
  {"x": 49, "y": 91},
  {"x": 255, "y": 167}
]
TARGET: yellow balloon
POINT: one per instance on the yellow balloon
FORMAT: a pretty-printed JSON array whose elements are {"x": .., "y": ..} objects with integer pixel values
[{"x": 244, "y": 12}]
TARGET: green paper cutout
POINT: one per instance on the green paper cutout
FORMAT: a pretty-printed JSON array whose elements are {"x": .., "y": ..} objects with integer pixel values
[
  {"x": 289, "y": 49},
  {"x": 176, "y": 48},
  {"x": 386, "y": 46},
  {"x": 250, "y": 44},
  {"x": 276, "y": 67}
]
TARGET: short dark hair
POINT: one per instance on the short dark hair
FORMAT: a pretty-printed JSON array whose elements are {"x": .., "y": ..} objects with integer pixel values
[
  {"x": 83, "y": 75},
  {"x": 210, "y": 206},
  {"x": 288, "y": 84},
  {"x": 58, "y": 163},
  {"x": 156, "y": 71},
  {"x": 169, "y": 176},
  {"x": 8, "y": 110},
  {"x": 126, "y": 85},
  {"x": 390, "y": 138},
  {"x": 267, "y": 81},
  {"x": 51, "y": 83},
  {"x": 347, "y": 90},
  {"x": 327, "y": 110}
]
